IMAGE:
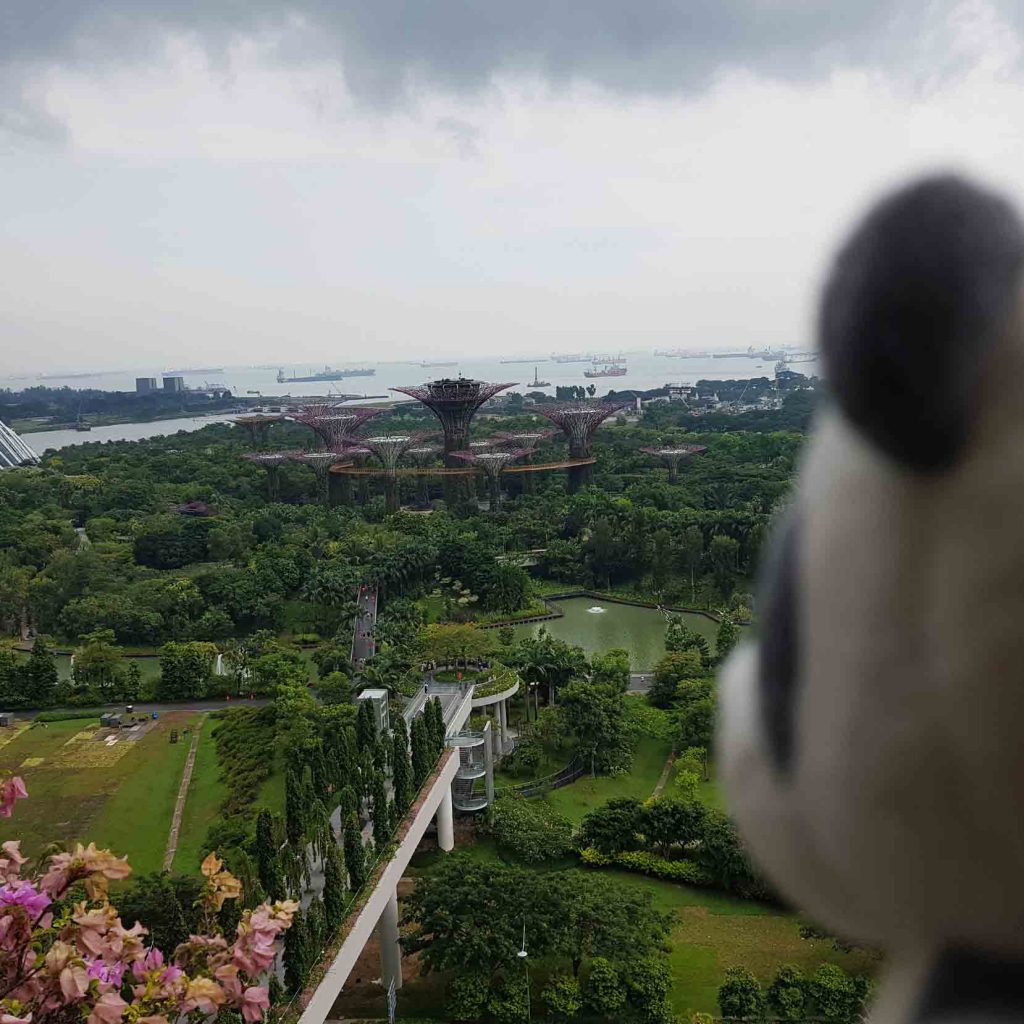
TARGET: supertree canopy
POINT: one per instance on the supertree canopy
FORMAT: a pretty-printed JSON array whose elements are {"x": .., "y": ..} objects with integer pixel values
[
  {"x": 320, "y": 463},
  {"x": 523, "y": 438},
  {"x": 672, "y": 455},
  {"x": 454, "y": 401},
  {"x": 257, "y": 425},
  {"x": 579, "y": 422},
  {"x": 493, "y": 464},
  {"x": 388, "y": 449},
  {"x": 271, "y": 462},
  {"x": 335, "y": 428}
]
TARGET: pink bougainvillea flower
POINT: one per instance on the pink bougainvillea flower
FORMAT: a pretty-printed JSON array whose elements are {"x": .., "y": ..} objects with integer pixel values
[
  {"x": 12, "y": 789},
  {"x": 108, "y": 1009},
  {"x": 9, "y": 1018},
  {"x": 25, "y": 895},
  {"x": 74, "y": 982},
  {"x": 203, "y": 994},
  {"x": 255, "y": 1002}
]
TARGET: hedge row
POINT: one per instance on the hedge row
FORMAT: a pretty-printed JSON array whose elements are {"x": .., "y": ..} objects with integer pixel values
[{"x": 645, "y": 863}]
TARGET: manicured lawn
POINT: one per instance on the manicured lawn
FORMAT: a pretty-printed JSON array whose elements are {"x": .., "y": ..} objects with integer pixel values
[
  {"x": 587, "y": 793},
  {"x": 80, "y": 789},
  {"x": 202, "y": 804}
]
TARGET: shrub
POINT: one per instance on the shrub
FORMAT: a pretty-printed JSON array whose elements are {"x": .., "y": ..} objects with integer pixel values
[
  {"x": 648, "y": 864},
  {"x": 531, "y": 829},
  {"x": 562, "y": 997},
  {"x": 66, "y": 715}
]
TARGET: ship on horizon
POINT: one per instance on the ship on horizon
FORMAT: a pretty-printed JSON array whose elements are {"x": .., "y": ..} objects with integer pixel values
[
  {"x": 537, "y": 382},
  {"x": 194, "y": 372},
  {"x": 608, "y": 370},
  {"x": 573, "y": 357},
  {"x": 325, "y": 374},
  {"x": 445, "y": 362}
]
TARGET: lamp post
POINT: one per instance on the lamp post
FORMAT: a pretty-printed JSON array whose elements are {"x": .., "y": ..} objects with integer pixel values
[{"x": 526, "y": 970}]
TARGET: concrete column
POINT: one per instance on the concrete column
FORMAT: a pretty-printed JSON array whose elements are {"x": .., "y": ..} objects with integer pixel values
[
  {"x": 488, "y": 766},
  {"x": 496, "y": 731},
  {"x": 504, "y": 724},
  {"x": 390, "y": 943},
  {"x": 446, "y": 823}
]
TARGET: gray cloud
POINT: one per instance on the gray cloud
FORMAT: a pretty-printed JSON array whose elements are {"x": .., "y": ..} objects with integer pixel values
[{"x": 388, "y": 48}]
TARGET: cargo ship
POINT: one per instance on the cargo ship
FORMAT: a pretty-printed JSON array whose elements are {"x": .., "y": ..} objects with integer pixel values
[
  {"x": 430, "y": 366},
  {"x": 612, "y": 370},
  {"x": 575, "y": 357},
  {"x": 325, "y": 374}
]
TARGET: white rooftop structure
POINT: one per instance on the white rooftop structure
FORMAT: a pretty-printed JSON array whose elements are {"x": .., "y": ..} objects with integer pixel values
[{"x": 13, "y": 450}]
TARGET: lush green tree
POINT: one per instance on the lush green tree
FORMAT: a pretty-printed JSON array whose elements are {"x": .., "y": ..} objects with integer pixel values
[
  {"x": 697, "y": 723},
  {"x": 611, "y": 668},
  {"x": 728, "y": 635},
  {"x": 334, "y": 889},
  {"x": 185, "y": 670},
  {"x": 165, "y": 905},
  {"x": 420, "y": 742},
  {"x": 740, "y": 996},
  {"x": 787, "y": 994},
  {"x": 604, "y": 992},
  {"x": 667, "y": 823},
  {"x": 562, "y": 997},
  {"x": 669, "y": 672},
  {"x": 381, "y": 816},
  {"x": 467, "y": 995},
  {"x": 596, "y": 715},
  {"x": 530, "y": 829},
  {"x": 648, "y": 983},
  {"x": 721, "y": 854},
  {"x": 266, "y": 844},
  {"x": 366, "y": 727},
  {"x": 835, "y": 995},
  {"x": 401, "y": 766},
  {"x": 39, "y": 676},
  {"x": 614, "y": 827},
  {"x": 355, "y": 854},
  {"x": 298, "y": 954},
  {"x": 680, "y": 637}
]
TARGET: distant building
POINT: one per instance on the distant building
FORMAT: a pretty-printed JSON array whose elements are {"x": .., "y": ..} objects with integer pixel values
[
  {"x": 174, "y": 383},
  {"x": 681, "y": 392},
  {"x": 379, "y": 702},
  {"x": 143, "y": 385},
  {"x": 13, "y": 450}
]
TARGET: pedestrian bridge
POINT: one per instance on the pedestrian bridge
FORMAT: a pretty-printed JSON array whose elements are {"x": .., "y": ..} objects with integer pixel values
[{"x": 380, "y": 908}]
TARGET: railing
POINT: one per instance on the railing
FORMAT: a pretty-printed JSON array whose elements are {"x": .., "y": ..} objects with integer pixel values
[{"x": 564, "y": 777}]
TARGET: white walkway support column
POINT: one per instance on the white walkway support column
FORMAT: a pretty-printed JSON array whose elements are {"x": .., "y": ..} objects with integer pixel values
[
  {"x": 446, "y": 823},
  {"x": 503, "y": 713},
  {"x": 390, "y": 943}
]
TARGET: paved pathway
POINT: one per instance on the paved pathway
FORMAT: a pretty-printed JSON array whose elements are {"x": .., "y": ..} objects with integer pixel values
[
  {"x": 179, "y": 807},
  {"x": 665, "y": 773}
]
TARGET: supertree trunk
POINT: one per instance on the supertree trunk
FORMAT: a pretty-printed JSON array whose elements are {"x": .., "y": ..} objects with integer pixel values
[{"x": 339, "y": 489}]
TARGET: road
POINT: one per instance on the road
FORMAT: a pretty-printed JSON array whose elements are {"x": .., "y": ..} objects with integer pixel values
[
  {"x": 148, "y": 707},
  {"x": 363, "y": 643}
]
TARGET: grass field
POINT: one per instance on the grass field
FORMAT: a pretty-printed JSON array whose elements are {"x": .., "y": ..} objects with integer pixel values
[
  {"x": 648, "y": 761},
  {"x": 202, "y": 804},
  {"x": 80, "y": 789}
]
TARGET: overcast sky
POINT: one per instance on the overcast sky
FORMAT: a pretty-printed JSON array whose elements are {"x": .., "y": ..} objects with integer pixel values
[{"x": 246, "y": 181}]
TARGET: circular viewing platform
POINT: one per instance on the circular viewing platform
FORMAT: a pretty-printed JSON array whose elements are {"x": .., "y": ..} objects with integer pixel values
[{"x": 462, "y": 740}]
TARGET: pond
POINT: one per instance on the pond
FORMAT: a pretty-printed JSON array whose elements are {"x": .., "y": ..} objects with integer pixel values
[{"x": 641, "y": 631}]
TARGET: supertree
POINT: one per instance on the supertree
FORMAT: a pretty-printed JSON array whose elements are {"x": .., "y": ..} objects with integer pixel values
[
  {"x": 257, "y": 425},
  {"x": 334, "y": 427},
  {"x": 493, "y": 464},
  {"x": 339, "y": 480},
  {"x": 454, "y": 401},
  {"x": 672, "y": 456},
  {"x": 579, "y": 422},
  {"x": 422, "y": 457},
  {"x": 388, "y": 449},
  {"x": 320, "y": 463},
  {"x": 528, "y": 439},
  {"x": 271, "y": 462}
]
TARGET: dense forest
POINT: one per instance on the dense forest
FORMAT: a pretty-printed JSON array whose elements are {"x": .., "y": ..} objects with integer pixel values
[{"x": 151, "y": 574}]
